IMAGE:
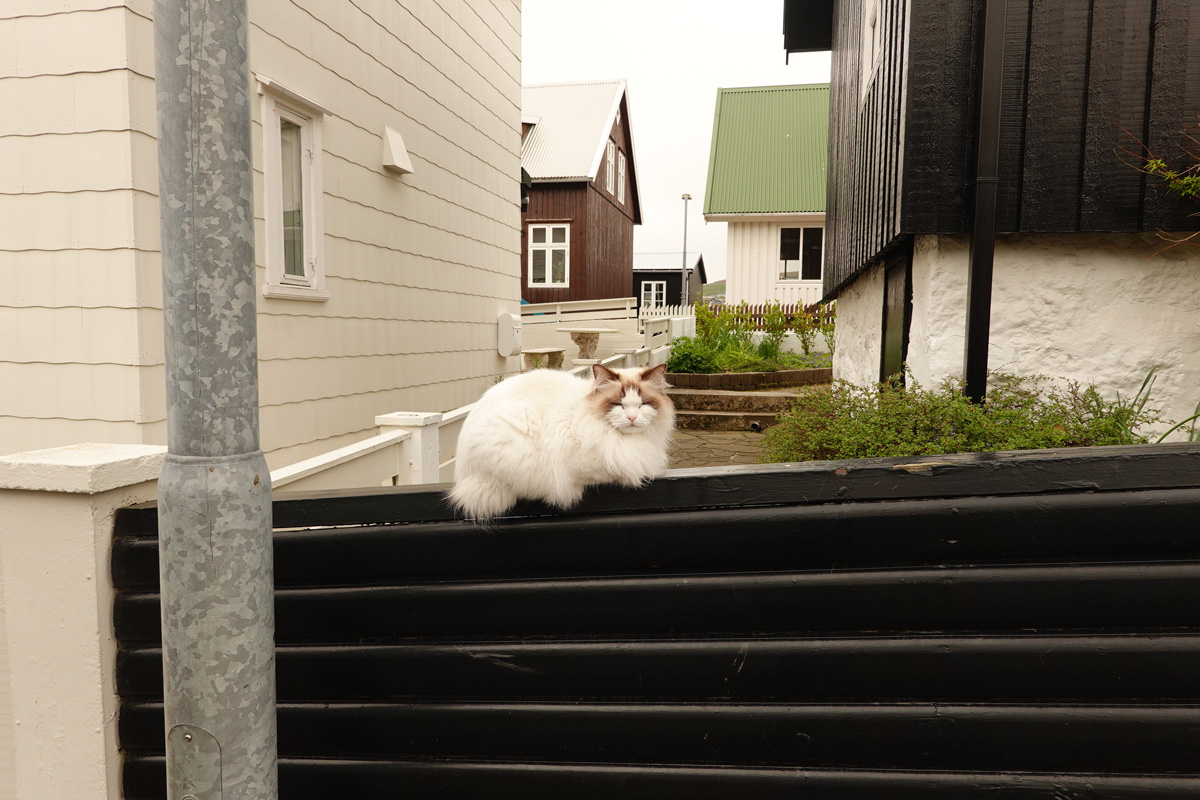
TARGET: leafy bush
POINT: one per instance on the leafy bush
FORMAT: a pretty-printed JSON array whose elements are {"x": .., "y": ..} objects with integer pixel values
[
  {"x": 893, "y": 420},
  {"x": 724, "y": 343},
  {"x": 692, "y": 355}
]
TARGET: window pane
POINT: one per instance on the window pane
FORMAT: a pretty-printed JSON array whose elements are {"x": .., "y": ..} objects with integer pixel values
[
  {"x": 291, "y": 150},
  {"x": 559, "y": 235},
  {"x": 811, "y": 270},
  {"x": 660, "y": 293},
  {"x": 539, "y": 235},
  {"x": 648, "y": 293},
  {"x": 538, "y": 273},
  {"x": 789, "y": 244},
  {"x": 621, "y": 178},
  {"x": 558, "y": 266}
]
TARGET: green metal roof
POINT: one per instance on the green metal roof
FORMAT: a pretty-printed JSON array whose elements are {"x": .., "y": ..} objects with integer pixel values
[{"x": 768, "y": 152}]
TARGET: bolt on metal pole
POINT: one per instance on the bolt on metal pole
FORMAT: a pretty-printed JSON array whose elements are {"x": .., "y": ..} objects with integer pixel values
[{"x": 214, "y": 495}]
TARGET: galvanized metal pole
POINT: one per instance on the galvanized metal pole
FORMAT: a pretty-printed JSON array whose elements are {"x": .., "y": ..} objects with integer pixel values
[
  {"x": 687, "y": 289},
  {"x": 214, "y": 498}
]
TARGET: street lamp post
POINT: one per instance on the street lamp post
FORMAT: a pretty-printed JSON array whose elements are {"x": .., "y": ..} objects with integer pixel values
[{"x": 686, "y": 283}]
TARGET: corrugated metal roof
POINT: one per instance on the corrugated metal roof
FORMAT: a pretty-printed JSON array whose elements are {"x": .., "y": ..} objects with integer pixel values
[
  {"x": 769, "y": 148},
  {"x": 567, "y": 143}
]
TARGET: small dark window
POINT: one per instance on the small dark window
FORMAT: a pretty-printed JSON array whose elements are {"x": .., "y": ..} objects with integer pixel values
[
  {"x": 789, "y": 254},
  {"x": 897, "y": 313},
  {"x": 810, "y": 269}
]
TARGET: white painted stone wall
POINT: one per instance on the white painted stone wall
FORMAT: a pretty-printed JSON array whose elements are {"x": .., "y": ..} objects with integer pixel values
[
  {"x": 858, "y": 335},
  {"x": 1096, "y": 308}
]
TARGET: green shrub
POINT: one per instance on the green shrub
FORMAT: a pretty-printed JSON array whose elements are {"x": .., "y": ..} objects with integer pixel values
[
  {"x": 692, "y": 355},
  {"x": 892, "y": 420},
  {"x": 724, "y": 343}
]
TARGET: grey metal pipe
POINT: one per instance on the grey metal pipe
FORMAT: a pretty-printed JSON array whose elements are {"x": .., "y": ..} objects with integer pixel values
[{"x": 214, "y": 496}]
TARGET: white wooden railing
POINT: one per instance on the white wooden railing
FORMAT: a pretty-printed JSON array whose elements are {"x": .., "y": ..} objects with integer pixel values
[
  {"x": 576, "y": 310},
  {"x": 416, "y": 447},
  {"x": 646, "y": 312}
]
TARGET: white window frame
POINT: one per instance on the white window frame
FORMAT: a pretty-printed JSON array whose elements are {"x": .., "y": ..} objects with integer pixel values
[
  {"x": 621, "y": 178},
  {"x": 280, "y": 104},
  {"x": 779, "y": 279},
  {"x": 548, "y": 247},
  {"x": 871, "y": 53},
  {"x": 609, "y": 173},
  {"x": 654, "y": 288}
]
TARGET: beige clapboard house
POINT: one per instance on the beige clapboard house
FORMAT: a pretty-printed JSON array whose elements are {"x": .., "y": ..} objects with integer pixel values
[{"x": 387, "y": 166}]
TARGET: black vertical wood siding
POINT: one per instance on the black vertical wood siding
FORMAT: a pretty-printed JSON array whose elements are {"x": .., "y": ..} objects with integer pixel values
[
  {"x": 1082, "y": 78},
  {"x": 997, "y": 625}
]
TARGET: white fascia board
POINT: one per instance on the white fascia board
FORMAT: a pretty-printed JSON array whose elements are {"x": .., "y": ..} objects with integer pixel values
[
  {"x": 608, "y": 123},
  {"x": 818, "y": 216}
]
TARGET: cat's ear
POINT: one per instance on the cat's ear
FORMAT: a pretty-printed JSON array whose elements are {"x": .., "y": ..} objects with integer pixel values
[
  {"x": 656, "y": 376},
  {"x": 603, "y": 375}
]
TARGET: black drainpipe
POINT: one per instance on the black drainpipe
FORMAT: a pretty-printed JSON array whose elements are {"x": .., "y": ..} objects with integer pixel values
[{"x": 983, "y": 229}]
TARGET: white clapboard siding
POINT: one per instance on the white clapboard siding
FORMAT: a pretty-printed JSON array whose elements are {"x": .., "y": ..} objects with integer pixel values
[
  {"x": 418, "y": 266},
  {"x": 752, "y": 262},
  {"x": 80, "y": 294}
]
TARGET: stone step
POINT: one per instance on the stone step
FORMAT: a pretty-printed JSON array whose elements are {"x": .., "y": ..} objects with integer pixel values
[
  {"x": 713, "y": 400},
  {"x": 723, "y": 420}
]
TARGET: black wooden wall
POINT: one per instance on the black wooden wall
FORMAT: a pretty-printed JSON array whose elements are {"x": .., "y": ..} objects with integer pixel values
[
  {"x": 1078, "y": 74},
  {"x": 999, "y": 626}
]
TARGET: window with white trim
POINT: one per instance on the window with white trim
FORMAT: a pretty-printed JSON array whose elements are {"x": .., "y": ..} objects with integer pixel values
[
  {"x": 872, "y": 43},
  {"x": 609, "y": 174},
  {"x": 549, "y": 255},
  {"x": 801, "y": 252},
  {"x": 654, "y": 294},
  {"x": 293, "y": 205},
  {"x": 621, "y": 178}
]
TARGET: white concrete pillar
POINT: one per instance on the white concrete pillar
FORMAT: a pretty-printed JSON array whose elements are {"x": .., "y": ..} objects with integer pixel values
[
  {"x": 425, "y": 445},
  {"x": 58, "y": 699}
]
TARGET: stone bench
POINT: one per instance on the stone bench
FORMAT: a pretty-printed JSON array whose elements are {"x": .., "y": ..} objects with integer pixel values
[{"x": 551, "y": 357}]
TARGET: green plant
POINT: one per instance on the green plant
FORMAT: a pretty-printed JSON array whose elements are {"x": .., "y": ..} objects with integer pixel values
[
  {"x": 775, "y": 329},
  {"x": 826, "y": 323},
  {"x": 805, "y": 326},
  {"x": 692, "y": 355},
  {"x": 1182, "y": 181},
  {"x": 891, "y": 419}
]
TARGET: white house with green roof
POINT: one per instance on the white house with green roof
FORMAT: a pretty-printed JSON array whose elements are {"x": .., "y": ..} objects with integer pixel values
[{"x": 766, "y": 178}]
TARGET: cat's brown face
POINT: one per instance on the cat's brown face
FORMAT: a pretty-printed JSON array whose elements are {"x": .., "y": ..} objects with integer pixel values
[{"x": 633, "y": 400}]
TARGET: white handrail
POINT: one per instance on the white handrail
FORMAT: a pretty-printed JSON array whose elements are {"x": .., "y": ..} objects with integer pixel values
[
  {"x": 570, "y": 310},
  {"x": 414, "y": 447}
]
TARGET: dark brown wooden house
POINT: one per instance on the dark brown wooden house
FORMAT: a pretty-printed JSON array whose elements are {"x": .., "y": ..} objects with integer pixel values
[{"x": 583, "y": 201}]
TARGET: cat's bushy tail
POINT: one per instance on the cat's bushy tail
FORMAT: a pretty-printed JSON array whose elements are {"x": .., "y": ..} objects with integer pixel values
[{"x": 481, "y": 499}]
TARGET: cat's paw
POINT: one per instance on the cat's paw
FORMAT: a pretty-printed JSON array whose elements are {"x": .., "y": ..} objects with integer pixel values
[{"x": 481, "y": 500}]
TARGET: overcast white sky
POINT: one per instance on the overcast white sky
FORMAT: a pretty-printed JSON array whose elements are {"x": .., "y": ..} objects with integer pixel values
[{"x": 674, "y": 54}]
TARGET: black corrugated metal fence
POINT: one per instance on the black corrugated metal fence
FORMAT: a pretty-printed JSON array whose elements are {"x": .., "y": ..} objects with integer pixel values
[{"x": 1014, "y": 625}]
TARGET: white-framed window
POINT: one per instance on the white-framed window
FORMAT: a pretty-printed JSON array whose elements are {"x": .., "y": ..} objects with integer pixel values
[
  {"x": 801, "y": 253},
  {"x": 621, "y": 178},
  {"x": 550, "y": 255},
  {"x": 872, "y": 43},
  {"x": 294, "y": 195},
  {"x": 609, "y": 173},
  {"x": 654, "y": 294}
]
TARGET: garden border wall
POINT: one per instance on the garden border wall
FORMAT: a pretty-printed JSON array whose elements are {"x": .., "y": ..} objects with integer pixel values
[{"x": 750, "y": 380}]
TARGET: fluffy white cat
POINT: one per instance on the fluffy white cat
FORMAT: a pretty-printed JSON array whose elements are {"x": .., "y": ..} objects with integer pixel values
[{"x": 547, "y": 435}]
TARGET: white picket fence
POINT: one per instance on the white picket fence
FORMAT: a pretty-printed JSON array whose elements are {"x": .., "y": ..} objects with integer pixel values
[{"x": 649, "y": 312}]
